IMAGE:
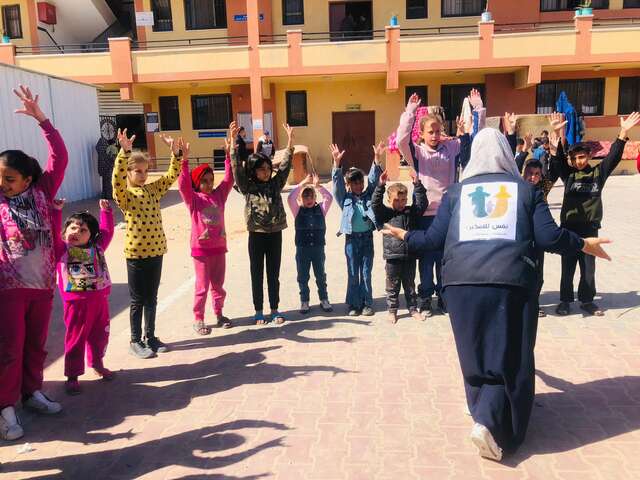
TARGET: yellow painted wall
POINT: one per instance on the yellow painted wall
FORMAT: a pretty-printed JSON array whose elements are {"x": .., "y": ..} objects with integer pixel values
[
  {"x": 536, "y": 44},
  {"x": 344, "y": 53},
  {"x": 179, "y": 31},
  {"x": 68, "y": 65},
  {"x": 274, "y": 56},
  {"x": 615, "y": 40},
  {"x": 433, "y": 49},
  {"x": 202, "y": 147},
  {"x": 611, "y": 93},
  {"x": 316, "y": 16},
  {"x": 616, "y": 4},
  {"x": 190, "y": 59},
  {"x": 24, "y": 18}
]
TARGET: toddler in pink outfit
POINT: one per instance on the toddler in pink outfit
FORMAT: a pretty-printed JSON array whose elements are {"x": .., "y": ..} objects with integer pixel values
[{"x": 208, "y": 235}]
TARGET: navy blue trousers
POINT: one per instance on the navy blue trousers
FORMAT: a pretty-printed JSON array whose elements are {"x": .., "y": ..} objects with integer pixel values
[
  {"x": 307, "y": 256},
  {"x": 495, "y": 332},
  {"x": 426, "y": 264}
]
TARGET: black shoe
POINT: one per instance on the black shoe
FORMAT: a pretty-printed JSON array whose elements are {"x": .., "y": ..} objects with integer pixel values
[
  {"x": 156, "y": 345},
  {"x": 353, "y": 312},
  {"x": 441, "y": 306},
  {"x": 368, "y": 311},
  {"x": 140, "y": 350},
  {"x": 427, "y": 309},
  {"x": 563, "y": 309}
]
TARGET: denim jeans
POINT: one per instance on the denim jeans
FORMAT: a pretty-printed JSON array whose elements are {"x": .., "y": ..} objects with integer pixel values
[
  {"x": 426, "y": 262},
  {"x": 358, "y": 249},
  {"x": 305, "y": 257}
]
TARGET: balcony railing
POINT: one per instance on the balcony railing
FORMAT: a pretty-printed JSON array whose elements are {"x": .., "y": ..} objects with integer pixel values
[
  {"x": 271, "y": 39},
  {"x": 432, "y": 31},
  {"x": 61, "y": 49},
  {"x": 189, "y": 42},
  {"x": 350, "y": 36},
  {"x": 532, "y": 27}
]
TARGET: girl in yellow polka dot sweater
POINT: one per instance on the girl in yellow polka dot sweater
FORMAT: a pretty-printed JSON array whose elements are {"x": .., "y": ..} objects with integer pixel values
[{"x": 145, "y": 241}]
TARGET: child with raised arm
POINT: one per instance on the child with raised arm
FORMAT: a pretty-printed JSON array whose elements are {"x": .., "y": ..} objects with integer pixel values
[
  {"x": 400, "y": 267},
  {"x": 84, "y": 285},
  {"x": 27, "y": 269},
  {"x": 145, "y": 242},
  {"x": 310, "y": 238},
  {"x": 357, "y": 224},
  {"x": 266, "y": 218},
  {"x": 582, "y": 207},
  {"x": 208, "y": 235},
  {"x": 436, "y": 161}
]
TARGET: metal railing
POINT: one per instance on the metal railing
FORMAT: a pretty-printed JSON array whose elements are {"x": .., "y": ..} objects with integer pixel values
[
  {"x": 340, "y": 36},
  {"x": 189, "y": 42},
  {"x": 272, "y": 39},
  {"x": 533, "y": 27},
  {"x": 162, "y": 163},
  {"x": 615, "y": 22},
  {"x": 437, "y": 31},
  {"x": 62, "y": 49}
]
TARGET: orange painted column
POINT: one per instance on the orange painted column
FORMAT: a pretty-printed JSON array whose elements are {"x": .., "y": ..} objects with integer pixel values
[
  {"x": 485, "y": 29},
  {"x": 121, "y": 66},
  {"x": 8, "y": 53},
  {"x": 141, "y": 32},
  {"x": 583, "y": 23},
  {"x": 255, "y": 77},
  {"x": 33, "y": 24},
  {"x": 392, "y": 37},
  {"x": 294, "y": 42}
]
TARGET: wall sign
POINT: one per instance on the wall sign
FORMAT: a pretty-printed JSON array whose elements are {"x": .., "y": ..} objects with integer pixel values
[
  {"x": 243, "y": 17},
  {"x": 222, "y": 134},
  {"x": 153, "y": 122},
  {"x": 144, "y": 19},
  {"x": 257, "y": 124}
]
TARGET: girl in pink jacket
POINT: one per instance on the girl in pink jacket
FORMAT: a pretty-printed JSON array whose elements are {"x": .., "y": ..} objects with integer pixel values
[
  {"x": 84, "y": 284},
  {"x": 208, "y": 235},
  {"x": 27, "y": 270}
]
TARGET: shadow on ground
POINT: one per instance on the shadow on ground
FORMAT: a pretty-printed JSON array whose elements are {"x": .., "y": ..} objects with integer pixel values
[
  {"x": 202, "y": 448},
  {"x": 579, "y": 415}
]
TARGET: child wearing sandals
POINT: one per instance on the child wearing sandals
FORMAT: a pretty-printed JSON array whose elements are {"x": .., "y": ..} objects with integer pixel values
[
  {"x": 208, "y": 236},
  {"x": 310, "y": 238},
  {"x": 84, "y": 284},
  {"x": 27, "y": 267},
  {"x": 266, "y": 218}
]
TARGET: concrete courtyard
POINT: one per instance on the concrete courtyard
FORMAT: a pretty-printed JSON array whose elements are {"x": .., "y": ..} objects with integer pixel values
[{"x": 326, "y": 396}]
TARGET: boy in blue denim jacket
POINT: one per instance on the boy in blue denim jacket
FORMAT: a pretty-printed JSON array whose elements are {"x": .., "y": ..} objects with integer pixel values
[{"x": 357, "y": 224}]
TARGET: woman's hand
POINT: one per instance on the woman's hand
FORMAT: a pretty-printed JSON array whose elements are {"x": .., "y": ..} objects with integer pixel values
[
  {"x": 475, "y": 99},
  {"x": 125, "y": 143},
  {"x": 30, "y": 105},
  {"x": 592, "y": 246},
  {"x": 395, "y": 232}
]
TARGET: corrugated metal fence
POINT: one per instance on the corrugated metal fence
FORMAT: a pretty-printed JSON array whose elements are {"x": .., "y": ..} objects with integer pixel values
[{"x": 72, "y": 107}]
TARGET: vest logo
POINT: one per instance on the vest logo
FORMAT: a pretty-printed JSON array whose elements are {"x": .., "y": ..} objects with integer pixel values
[{"x": 488, "y": 211}]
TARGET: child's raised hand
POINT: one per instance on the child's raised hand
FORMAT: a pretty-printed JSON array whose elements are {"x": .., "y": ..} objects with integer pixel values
[
  {"x": 557, "y": 122},
  {"x": 233, "y": 130},
  {"x": 554, "y": 141},
  {"x": 307, "y": 180},
  {"x": 125, "y": 143},
  {"x": 628, "y": 123},
  {"x": 104, "y": 204},
  {"x": 509, "y": 123},
  {"x": 316, "y": 180},
  {"x": 461, "y": 130},
  {"x": 184, "y": 147},
  {"x": 378, "y": 150},
  {"x": 171, "y": 143},
  {"x": 383, "y": 178},
  {"x": 414, "y": 102},
  {"x": 289, "y": 131},
  {"x": 475, "y": 99},
  {"x": 528, "y": 141},
  {"x": 58, "y": 203},
  {"x": 30, "y": 105},
  {"x": 336, "y": 154}
]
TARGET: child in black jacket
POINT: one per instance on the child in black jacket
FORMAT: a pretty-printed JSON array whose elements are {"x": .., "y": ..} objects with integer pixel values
[{"x": 401, "y": 266}]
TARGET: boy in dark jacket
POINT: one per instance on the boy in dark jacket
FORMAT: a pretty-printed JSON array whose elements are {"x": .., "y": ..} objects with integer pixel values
[
  {"x": 582, "y": 208},
  {"x": 401, "y": 266}
]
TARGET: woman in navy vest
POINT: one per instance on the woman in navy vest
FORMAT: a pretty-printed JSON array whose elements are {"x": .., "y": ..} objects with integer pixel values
[{"x": 488, "y": 225}]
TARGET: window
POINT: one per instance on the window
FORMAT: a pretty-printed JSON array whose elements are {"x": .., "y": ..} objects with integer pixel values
[
  {"x": 420, "y": 90},
  {"x": 631, "y": 4},
  {"x": 559, "y": 5},
  {"x": 297, "y": 108},
  {"x": 203, "y": 14},
  {"x": 629, "y": 96},
  {"x": 292, "y": 12},
  {"x": 586, "y": 96},
  {"x": 463, "y": 8},
  {"x": 11, "y": 21},
  {"x": 211, "y": 111},
  {"x": 169, "y": 113},
  {"x": 162, "y": 20},
  {"x": 452, "y": 97},
  {"x": 416, "y": 9}
]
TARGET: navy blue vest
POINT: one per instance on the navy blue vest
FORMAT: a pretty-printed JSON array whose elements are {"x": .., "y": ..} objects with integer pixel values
[
  {"x": 490, "y": 237},
  {"x": 310, "y": 227}
]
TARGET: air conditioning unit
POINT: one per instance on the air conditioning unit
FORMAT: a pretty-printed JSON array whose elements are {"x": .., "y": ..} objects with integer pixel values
[{"x": 47, "y": 13}]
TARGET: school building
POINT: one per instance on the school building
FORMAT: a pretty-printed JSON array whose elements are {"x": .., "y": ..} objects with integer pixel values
[{"x": 339, "y": 71}]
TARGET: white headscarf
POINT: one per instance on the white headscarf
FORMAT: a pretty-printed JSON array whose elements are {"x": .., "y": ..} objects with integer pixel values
[{"x": 490, "y": 153}]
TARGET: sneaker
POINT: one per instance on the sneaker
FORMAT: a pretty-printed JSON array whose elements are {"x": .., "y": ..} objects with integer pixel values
[
  {"x": 10, "y": 428},
  {"x": 326, "y": 306},
  {"x": 157, "y": 345},
  {"x": 485, "y": 443},
  {"x": 393, "y": 317},
  {"x": 563, "y": 309},
  {"x": 427, "y": 311},
  {"x": 353, "y": 312},
  {"x": 441, "y": 306},
  {"x": 368, "y": 311},
  {"x": 39, "y": 402},
  {"x": 140, "y": 350},
  {"x": 541, "y": 313},
  {"x": 304, "y": 307},
  {"x": 72, "y": 386},
  {"x": 416, "y": 315},
  {"x": 592, "y": 309},
  {"x": 104, "y": 373}
]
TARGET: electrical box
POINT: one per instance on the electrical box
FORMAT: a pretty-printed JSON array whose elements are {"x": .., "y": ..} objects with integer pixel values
[{"x": 47, "y": 13}]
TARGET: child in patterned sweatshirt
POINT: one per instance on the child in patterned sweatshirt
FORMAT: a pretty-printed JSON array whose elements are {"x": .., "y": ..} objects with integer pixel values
[
  {"x": 208, "y": 236},
  {"x": 85, "y": 285},
  {"x": 145, "y": 242}
]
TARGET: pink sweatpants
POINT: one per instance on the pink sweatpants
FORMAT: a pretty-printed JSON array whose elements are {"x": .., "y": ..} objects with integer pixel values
[
  {"x": 24, "y": 325},
  {"x": 209, "y": 274},
  {"x": 87, "y": 323}
]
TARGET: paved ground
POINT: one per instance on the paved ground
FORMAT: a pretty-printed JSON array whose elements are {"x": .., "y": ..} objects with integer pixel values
[{"x": 330, "y": 397}]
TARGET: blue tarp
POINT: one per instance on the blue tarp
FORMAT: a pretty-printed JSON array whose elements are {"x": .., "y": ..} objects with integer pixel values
[{"x": 573, "y": 126}]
